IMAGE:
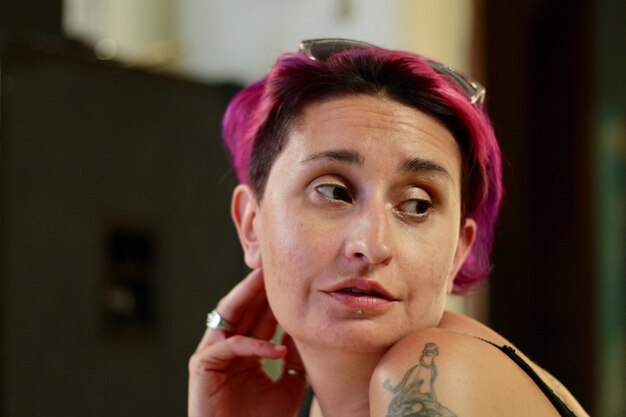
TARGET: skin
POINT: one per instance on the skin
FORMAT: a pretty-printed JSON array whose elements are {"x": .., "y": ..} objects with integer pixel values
[
  {"x": 365, "y": 194},
  {"x": 366, "y": 190},
  {"x": 309, "y": 243}
]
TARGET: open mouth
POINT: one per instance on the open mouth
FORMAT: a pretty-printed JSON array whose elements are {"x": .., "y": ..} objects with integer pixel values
[
  {"x": 361, "y": 292},
  {"x": 361, "y": 299}
]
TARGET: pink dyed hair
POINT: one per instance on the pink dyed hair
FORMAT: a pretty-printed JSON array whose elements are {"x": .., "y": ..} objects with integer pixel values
[{"x": 260, "y": 117}]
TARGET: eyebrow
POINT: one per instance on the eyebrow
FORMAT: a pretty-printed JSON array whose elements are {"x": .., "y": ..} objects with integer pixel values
[
  {"x": 341, "y": 155},
  {"x": 423, "y": 165},
  {"x": 353, "y": 157}
]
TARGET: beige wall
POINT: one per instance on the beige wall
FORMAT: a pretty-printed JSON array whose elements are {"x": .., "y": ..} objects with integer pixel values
[{"x": 239, "y": 39}]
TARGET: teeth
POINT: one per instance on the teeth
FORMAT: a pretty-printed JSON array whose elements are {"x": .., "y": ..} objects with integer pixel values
[{"x": 358, "y": 291}]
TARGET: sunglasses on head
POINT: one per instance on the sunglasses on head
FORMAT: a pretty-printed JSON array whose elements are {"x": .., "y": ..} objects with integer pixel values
[{"x": 321, "y": 49}]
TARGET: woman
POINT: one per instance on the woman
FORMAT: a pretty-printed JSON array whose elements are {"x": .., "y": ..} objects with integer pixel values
[{"x": 370, "y": 185}]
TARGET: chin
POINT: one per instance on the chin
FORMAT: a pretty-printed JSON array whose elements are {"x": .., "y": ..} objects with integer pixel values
[{"x": 356, "y": 336}]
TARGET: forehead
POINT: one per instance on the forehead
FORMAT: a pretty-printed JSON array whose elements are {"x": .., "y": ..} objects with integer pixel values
[
  {"x": 369, "y": 112},
  {"x": 372, "y": 123}
]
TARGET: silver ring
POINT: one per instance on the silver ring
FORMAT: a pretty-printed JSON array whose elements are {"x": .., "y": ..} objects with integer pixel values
[
  {"x": 295, "y": 372},
  {"x": 215, "y": 321}
]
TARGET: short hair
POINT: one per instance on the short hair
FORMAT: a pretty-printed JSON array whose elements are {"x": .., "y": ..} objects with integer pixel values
[{"x": 260, "y": 117}]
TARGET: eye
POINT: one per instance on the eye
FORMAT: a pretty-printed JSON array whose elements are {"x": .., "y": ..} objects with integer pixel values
[
  {"x": 334, "y": 192},
  {"x": 417, "y": 207}
]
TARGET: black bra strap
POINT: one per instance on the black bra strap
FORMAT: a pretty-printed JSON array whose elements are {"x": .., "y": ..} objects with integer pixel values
[
  {"x": 306, "y": 404},
  {"x": 554, "y": 399},
  {"x": 563, "y": 410}
]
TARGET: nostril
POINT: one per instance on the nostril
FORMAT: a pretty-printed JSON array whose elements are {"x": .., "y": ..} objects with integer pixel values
[{"x": 372, "y": 251}]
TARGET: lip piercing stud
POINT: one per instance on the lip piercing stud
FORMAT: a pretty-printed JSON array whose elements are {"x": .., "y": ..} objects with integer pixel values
[{"x": 359, "y": 312}]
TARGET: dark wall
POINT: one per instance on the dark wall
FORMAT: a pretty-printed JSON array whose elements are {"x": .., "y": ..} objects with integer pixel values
[
  {"x": 115, "y": 233},
  {"x": 31, "y": 16},
  {"x": 539, "y": 82}
]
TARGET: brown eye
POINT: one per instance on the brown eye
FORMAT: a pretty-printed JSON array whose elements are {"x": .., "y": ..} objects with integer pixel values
[
  {"x": 416, "y": 207},
  {"x": 334, "y": 192}
]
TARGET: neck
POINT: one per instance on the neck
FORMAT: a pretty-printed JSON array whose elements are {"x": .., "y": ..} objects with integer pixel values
[{"x": 340, "y": 380}]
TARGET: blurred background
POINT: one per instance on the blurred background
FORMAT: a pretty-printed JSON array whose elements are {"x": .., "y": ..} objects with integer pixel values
[{"x": 115, "y": 237}]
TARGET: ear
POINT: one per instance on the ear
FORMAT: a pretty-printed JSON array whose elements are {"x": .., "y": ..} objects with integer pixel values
[
  {"x": 244, "y": 209},
  {"x": 464, "y": 245}
]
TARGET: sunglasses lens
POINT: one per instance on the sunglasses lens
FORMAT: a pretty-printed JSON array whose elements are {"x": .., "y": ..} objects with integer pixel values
[{"x": 321, "y": 49}]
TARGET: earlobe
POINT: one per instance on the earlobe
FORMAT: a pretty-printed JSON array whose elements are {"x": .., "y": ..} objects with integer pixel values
[
  {"x": 244, "y": 209},
  {"x": 464, "y": 245}
]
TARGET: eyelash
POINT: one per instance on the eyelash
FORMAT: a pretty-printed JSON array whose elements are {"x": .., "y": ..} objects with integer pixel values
[
  {"x": 425, "y": 205},
  {"x": 334, "y": 197},
  {"x": 426, "y": 208}
]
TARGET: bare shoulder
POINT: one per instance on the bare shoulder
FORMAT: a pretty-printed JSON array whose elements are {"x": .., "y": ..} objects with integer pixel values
[
  {"x": 445, "y": 372},
  {"x": 467, "y": 326},
  {"x": 459, "y": 323}
]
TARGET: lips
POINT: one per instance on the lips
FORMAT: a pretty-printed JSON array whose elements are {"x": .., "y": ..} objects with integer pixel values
[
  {"x": 362, "y": 286},
  {"x": 361, "y": 293},
  {"x": 358, "y": 291}
]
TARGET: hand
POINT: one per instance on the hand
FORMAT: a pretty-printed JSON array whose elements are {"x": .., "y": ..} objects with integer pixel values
[{"x": 226, "y": 378}]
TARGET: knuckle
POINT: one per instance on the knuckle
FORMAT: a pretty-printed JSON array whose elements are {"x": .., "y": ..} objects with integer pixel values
[
  {"x": 201, "y": 365},
  {"x": 240, "y": 341},
  {"x": 236, "y": 340},
  {"x": 194, "y": 363},
  {"x": 220, "y": 304}
]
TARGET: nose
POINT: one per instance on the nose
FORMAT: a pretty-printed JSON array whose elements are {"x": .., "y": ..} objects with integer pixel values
[{"x": 369, "y": 236}]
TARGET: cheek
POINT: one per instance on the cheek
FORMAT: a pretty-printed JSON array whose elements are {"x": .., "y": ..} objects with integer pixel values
[
  {"x": 429, "y": 260},
  {"x": 293, "y": 250},
  {"x": 293, "y": 257},
  {"x": 426, "y": 285},
  {"x": 284, "y": 248},
  {"x": 297, "y": 234}
]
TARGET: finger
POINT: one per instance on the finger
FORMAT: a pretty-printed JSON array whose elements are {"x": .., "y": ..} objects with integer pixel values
[
  {"x": 292, "y": 358},
  {"x": 207, "y": 368},
  {"x": 265, "y": 324},
  {"x": 243, "y": 300},
  {"x": 263, "y": 327},
  {"x": 294, "y": 375},
  {"x": 249, "y": 292},
  {"x": 218, "y": 356},
  {"x": 209, "y": 337},
  {"x": 255, "y": 313}
]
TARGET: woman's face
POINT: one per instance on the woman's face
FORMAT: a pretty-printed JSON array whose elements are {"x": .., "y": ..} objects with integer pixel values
[{"x": 359, "y": 231}]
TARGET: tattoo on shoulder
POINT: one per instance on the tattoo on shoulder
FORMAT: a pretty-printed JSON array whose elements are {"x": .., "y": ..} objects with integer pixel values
[{"x": 415, "y": 393}]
